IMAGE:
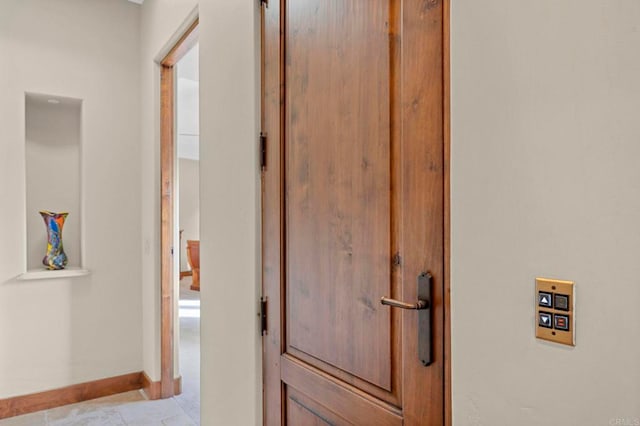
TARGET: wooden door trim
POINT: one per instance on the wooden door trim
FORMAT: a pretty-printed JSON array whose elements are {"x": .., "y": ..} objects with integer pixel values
[
  {"x": 446, "y": 49},
  {"x": 167, "y": 203},
  {"x": 153, "y": 390},
  {"x": 184, "y": 44}
]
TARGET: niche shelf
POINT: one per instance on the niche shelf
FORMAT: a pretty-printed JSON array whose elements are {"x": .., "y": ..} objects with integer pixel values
[
  {"x": 53, "y": 133},
  {"x": 45, "y": 274}
]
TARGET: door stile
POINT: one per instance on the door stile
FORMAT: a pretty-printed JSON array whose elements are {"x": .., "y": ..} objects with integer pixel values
[
  {"x": 422, "y": 199},
  {"x": 395, "y": 138}
]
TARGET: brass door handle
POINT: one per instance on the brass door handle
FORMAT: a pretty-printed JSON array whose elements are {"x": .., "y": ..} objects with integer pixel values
[{"x": 421, "y": 304}]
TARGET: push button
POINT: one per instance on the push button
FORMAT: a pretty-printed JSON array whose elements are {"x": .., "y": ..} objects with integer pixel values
[
  {"x": 561, "y": 322},
  {"x": 544, "y": 299},
  {"x": 544, "y": 319},
  {"x": 561, "y": 302}
]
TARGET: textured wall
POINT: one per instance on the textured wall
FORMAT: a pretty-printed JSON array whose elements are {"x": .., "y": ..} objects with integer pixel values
[{"x": 545, "y": 182}]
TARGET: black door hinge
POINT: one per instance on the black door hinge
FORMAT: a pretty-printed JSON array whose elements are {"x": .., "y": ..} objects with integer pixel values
[
  {"x": 263, "y": 151},
  {"x": 263, "y": 316},
  {"x": 264, "y": 3}
]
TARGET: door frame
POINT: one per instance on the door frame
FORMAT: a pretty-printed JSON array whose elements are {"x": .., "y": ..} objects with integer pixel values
[
  {"x": 446, "y": 74},
  {"x": 271, "y": 227},
  {"x": 169, "y": 385}
]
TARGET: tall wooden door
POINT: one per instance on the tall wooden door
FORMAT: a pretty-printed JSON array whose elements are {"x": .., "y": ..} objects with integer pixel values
[{"x": 353, "y": 211}]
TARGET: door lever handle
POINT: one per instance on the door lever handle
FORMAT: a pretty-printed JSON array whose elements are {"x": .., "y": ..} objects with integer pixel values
[{"x": 421, "y": 304}]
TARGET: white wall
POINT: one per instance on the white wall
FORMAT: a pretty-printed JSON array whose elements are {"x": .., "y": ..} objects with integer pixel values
[
  {"x": 58, "y": 332},
  {"x": 230, "y": 212},
  {"x": 545, "y": 182},
  {"x": 188, "y": 116},
  {"x": 189, "y": 182},
  {"x": 188, "y": 140},
  {"x": 188, "y": 102}
]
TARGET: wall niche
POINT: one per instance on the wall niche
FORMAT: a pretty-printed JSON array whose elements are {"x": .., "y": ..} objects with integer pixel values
[{"x": 53, "y": 152}]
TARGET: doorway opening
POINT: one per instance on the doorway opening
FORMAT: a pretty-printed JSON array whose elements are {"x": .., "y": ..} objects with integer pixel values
[
  {"x": 188, "y": 226},
  {"x": 179, "y": 161}
]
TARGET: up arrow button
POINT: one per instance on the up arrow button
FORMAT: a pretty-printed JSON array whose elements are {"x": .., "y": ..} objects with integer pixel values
[{"x": 544, "y": 299}]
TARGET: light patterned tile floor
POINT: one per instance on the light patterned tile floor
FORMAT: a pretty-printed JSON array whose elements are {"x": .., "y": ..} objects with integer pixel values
[{"x": 132, "y": 408}]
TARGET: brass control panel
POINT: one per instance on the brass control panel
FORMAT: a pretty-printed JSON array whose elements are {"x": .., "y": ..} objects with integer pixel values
[{"x": 555, "y": 311}]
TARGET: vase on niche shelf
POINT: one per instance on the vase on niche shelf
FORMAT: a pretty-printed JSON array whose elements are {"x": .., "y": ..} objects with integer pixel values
[{"x": 55, "y": 259}]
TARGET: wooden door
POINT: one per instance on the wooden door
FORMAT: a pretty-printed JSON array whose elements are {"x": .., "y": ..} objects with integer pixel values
[{"x": 353, "y": 210}]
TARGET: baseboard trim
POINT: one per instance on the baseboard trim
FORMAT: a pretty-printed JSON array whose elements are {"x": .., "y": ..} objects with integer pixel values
[
  {"x": 153, "y": 390},
  {"x": 150, "y": 388},
  {"x": 26, "y": 404},
  {"x": 177, "y": 386}
]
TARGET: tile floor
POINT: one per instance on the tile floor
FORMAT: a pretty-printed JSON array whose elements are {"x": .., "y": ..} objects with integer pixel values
[
  {"x": 189, "y": 399},
  {"x": 132, "y": 408}
]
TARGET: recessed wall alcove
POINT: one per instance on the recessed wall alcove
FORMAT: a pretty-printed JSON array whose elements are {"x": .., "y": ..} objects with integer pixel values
[{"x": 53, "y": 156}]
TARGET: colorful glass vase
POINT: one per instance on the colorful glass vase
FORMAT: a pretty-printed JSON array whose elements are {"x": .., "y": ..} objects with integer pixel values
[{"x": 55, "y": 257}]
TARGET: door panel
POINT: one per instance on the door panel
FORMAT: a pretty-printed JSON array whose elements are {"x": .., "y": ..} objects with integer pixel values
[
  {"x": 338, "y": 213},
  {"x": 346, "y": 401},
  {"x": 302, "y": 410},
  {"x": 353, "y": 195}
]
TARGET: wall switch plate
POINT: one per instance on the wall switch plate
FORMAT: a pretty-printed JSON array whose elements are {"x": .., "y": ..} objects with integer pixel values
[{"x": 555, "y": 311}]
